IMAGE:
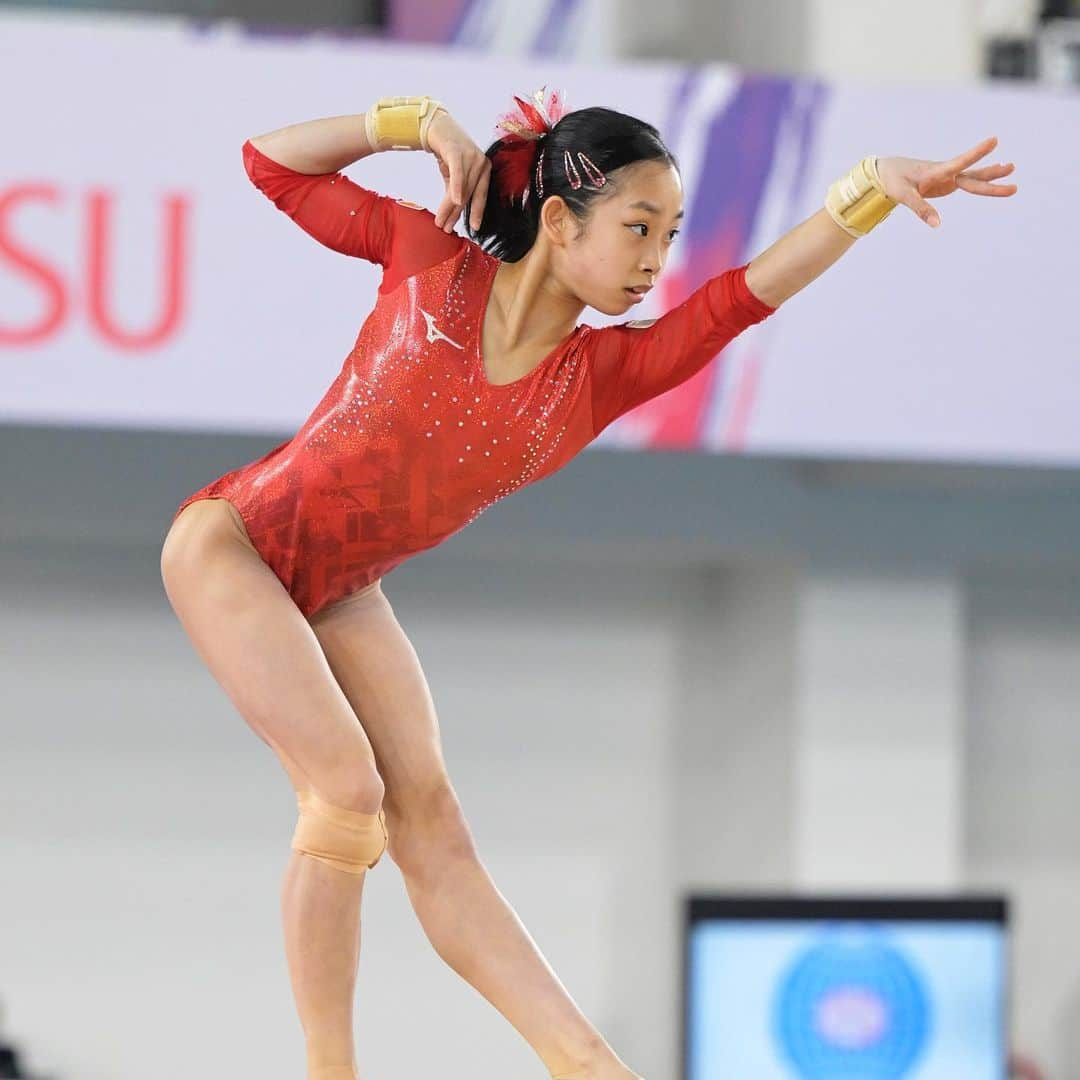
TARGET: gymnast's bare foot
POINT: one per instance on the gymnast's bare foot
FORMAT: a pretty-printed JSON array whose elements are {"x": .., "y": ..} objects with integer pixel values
[
  {"x": 595, "y": 1061},
  {"x": 606, "y": 1071}
]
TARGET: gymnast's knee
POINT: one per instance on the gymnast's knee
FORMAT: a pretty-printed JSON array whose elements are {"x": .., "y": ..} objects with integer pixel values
[
  {"x": 427, "y": 831},
  {"x": 345, "y": 839}
]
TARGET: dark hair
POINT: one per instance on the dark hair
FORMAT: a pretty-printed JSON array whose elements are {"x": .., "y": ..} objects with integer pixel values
[{"x": 609, "y": 139}]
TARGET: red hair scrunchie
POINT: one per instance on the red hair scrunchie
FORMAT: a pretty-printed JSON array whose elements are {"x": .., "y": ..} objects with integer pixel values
[{"x": 524, "y": 127}]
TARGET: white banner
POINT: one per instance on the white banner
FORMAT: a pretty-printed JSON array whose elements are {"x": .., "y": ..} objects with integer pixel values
[{"x": 144, "y": 282}]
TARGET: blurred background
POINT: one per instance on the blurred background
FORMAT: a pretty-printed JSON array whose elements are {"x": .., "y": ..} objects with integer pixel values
[{"x": 806, "y": 627}]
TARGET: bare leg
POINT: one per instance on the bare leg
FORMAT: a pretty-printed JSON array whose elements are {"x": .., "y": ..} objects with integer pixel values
[
  {"x": 464, "y": 915},
  {"x": 263, "y": 652},
  {"x": 321, "y": 915},
  {"x": 476, "y": 931}
]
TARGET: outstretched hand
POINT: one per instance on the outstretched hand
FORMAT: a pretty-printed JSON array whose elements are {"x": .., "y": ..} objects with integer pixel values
[{"x": 911, "y": 182}]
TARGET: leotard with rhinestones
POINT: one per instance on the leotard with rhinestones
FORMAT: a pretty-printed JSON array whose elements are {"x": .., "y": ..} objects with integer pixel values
[{"x": 412, "y": 441}]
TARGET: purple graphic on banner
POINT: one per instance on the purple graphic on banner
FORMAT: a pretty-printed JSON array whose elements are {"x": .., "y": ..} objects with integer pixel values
[
  {"x": 678, "y": 113},
  {"x": 740, "y": 139},
  {"x": 551, "y": 37},
  {"x": 727, "y": 421},
  {"x": 543, "y": 28},
  {"x": 431, "y": 20}
]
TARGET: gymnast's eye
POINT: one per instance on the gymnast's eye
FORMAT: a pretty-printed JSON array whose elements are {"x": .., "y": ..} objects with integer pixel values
[{"x": 645, "y": 232}]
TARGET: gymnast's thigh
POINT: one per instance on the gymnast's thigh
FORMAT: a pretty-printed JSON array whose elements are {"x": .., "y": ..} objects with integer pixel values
[
  {"x": 377, "y": 667},
  {"x": 262, "y": 651}
]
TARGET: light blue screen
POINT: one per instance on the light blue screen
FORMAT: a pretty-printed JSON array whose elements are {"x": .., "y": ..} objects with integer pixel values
[{"x": 808, "y": 1000}]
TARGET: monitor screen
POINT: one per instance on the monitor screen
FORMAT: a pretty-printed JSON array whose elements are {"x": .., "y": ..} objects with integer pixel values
[{"x": 845, "y": 989}]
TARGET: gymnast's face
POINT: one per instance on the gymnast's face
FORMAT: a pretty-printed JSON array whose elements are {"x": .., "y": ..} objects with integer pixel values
[{"x": 624, "y": 244}]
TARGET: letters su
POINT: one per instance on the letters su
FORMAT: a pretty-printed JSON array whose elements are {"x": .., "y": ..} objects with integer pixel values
[{"x": 58, "y": 296}]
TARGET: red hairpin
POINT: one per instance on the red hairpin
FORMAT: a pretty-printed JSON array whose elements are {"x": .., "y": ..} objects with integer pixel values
[{"x": 596, "y": 177}]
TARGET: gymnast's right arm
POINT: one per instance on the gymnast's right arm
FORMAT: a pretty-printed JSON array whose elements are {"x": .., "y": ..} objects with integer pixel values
[
  {"x": 297, "y": 168},
  {"x": 317, "y": 146}
]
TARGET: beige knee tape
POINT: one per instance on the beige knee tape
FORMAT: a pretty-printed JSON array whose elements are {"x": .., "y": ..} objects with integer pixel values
[{"x": 344, "y": 839}]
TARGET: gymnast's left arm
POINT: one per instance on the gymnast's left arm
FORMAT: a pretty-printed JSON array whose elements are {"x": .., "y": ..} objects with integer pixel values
[{"x": 857, "y": 203}]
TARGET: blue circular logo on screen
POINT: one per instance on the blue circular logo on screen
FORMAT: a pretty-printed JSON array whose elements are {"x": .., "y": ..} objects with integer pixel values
[{"x": 852, "y": 1008}]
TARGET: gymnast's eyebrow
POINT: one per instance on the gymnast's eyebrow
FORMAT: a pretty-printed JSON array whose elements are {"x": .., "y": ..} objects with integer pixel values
[{"x": 641, "y": 204}]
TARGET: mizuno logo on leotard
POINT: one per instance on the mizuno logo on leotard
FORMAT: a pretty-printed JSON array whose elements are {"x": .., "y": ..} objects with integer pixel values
[{"x": 434, "y": 333}]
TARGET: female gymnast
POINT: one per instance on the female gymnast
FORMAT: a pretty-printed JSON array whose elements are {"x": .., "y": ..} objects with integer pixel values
[{"x": 470, "y": 379}]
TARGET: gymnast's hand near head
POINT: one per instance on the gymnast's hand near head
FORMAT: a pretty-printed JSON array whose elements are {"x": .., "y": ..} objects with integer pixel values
[{"x": 465, "y": 168}]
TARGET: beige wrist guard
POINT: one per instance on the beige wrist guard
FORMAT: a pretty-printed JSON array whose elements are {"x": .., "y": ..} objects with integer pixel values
[
  {"x": 401, "y": 123},
  {"x": 857, "y": 202}
]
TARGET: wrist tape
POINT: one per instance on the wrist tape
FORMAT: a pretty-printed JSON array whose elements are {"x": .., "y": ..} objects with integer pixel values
[
  {"x": 857, "y": 202},
  {"x": 400, "y": 123}
]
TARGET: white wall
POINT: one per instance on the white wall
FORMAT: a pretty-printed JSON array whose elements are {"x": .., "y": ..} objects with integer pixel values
[
  {"x": 735, "y": 757},
  {"x": 871, "y": 40},
  {"x": 138, "y": 919},
  {"x": 619, "y": 735},
  {"x": 876, "y": 41},
  {"x": 878, "y": 720},
  {"x": 619, "y": 660},
  {"x": 623, "y": 695},
  {"x": 1023, "y": 806}
]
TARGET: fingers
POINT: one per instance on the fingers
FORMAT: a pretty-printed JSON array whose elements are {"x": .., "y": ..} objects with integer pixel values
[
  {"x": 456, "y": 164},
  {"x": 445, "y": 209},
  {"x": 921, "y": 207},
  {"x": 990, "y": 172},
  {"x": 981, "y": 187},
  {"x": 479, "y": 195},
  {"x": 976, "y": 180},
  {"x": 462, "y": 187},
  {"x": 452, "y": 200},
  {"x": 964, "y": 160}
]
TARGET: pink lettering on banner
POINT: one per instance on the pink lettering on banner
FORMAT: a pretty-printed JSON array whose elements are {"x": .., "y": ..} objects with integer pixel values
[
  {"x": 98, "y": 260},
  {"x": 36, "y": 270}
]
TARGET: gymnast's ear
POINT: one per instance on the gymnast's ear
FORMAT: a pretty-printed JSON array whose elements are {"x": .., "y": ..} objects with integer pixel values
[{"x": 557, "y": 220}]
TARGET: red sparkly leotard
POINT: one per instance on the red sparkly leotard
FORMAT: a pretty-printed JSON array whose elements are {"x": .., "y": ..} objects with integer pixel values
[{"x": 411, "y": 441}]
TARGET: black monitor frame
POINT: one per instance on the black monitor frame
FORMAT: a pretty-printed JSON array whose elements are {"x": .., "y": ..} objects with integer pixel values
[{"x": 966, "y": 907}]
